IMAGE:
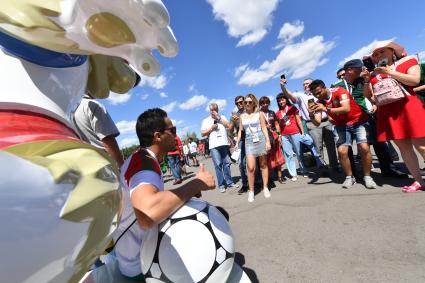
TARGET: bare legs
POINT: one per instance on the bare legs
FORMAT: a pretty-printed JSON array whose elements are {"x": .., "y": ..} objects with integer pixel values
[
  {"x": 407, "y": 151},
  {"x": 251, "y": 163}
]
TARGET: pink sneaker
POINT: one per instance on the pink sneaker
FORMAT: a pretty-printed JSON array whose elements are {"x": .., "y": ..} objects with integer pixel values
[{"x": 413, "y": 188}]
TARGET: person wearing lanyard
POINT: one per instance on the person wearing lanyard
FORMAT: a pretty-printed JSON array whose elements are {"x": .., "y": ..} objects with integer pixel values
[
  {"x": 257, "y": 143},
  {"x": 274, "y": 136},
  {"x": 293, "y": 135},
  {"x": 322, "y": 134},
  {"x": 234, "y": 125},
  {"x": 354, "y": 83}
]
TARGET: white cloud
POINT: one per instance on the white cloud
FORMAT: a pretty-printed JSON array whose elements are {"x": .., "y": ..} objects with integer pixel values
[
  {"x": 158, "y": 82},
  {"x": 288, "y": 32},
  {"x": 296, "y": 59},
  {"x": 163, "y": 95},
  {"x": 220, "y": 102},
  {"x": 252, "y": 37},
  {"x": 126, "y": 127},
  {"x": 116, "y": 98},
  {"x": 144, "y": 96},
  {"x": 128, "y": 142},
  {"x": 177, "y": 122},
  {"x": 191, "y": 88},
  {"x": 193, "y": 102},
  {"x": 245, "y": 19},
  {"x": 239, "y": 70},
  {"x": 365, "y": 50},
  {"x": 169, "y": 107}
]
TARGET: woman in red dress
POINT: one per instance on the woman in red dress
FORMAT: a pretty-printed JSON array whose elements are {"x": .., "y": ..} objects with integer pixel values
[{"x": 403, "y": 120}]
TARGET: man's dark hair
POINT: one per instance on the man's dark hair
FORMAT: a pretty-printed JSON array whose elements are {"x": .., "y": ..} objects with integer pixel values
[
  {"x": 149, "y": 122},
  {"x": 316, "y": 83},
  {"x": 238, "y": 97},
  {"x": 339, "y": 70},
  {"x": 280, "y": 96}
]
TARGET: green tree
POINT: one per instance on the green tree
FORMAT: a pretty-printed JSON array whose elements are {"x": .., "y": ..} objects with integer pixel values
[{"x": 127, "y": 151}]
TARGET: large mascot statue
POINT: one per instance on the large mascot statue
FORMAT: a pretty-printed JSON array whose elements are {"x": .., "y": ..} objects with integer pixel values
[{"x": 60, "y": 199}]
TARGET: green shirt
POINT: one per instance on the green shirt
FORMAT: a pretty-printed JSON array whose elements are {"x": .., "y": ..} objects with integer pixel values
[{"x": 356, "y": 90}]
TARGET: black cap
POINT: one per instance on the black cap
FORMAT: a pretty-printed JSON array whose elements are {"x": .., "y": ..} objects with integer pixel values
[{"x": 355, "y": 63}]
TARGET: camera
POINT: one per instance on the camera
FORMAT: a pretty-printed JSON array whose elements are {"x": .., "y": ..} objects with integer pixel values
[
  {"x": 383, "y": 62},
  {"x": 282, "y": 77}
]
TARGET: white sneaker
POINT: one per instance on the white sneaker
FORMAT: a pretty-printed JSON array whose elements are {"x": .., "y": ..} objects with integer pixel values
[
  {"x": 222, "y": 190},
  {"x": 233, "y": 186},
  {"x": 369, "y": 183},
  {"x": 250, "y": 196},
  {"x": 293, "y": 179},
  {"x": 266, "y": 193}
]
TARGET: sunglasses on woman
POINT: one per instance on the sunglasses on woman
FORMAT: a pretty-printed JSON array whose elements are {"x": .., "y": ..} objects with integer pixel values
[{"x": 248, "y": 102}]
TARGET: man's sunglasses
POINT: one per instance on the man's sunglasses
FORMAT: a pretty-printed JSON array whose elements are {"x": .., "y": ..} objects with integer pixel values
[
  {"x": 239, "y": 102},
  {"x": 171, "y": 129}
]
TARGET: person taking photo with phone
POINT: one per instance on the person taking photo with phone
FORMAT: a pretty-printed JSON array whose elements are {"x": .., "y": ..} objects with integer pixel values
[
  {"x": 321, "y": 134},
  {"x": 400, "y": 113},
  {"x": 214, "y": 127},
  {"x": 354, "y": 84},
  {"x": 350, "y": 124},
  {"x": 292, "y": 134}
]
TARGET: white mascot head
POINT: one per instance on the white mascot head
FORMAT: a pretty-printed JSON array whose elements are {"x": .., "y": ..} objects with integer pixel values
[{"x": 60, "y": 198}]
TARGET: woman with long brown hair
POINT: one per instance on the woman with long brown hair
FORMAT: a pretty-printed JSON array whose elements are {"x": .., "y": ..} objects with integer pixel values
[{"x": 257, "y": 143}]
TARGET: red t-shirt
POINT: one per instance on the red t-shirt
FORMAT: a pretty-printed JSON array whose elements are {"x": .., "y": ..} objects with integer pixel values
[
  {"x": 178, "y": 147},
  {"x": 287, "y": 120},
  {"x": 338, "y": 95}
]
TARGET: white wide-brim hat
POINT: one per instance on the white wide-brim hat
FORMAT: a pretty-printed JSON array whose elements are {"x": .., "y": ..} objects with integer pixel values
[{"x": 398, "y": 49}]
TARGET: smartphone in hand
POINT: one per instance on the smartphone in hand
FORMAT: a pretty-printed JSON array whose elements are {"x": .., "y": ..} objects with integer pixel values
[{"x": 368, "y": 63}]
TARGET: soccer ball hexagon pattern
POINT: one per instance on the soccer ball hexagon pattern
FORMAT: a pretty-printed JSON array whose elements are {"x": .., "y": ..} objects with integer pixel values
[{"x": 195, "y": 244}]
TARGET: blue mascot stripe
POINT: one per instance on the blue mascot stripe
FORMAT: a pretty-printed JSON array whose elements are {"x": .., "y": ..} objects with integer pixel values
[{"x": 38, "y": 55}]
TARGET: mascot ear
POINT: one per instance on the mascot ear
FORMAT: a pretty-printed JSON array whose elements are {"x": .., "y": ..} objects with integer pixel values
[{"x": 108, "y": 73}]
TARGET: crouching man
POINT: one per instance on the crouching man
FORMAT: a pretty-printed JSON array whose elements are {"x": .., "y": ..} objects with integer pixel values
[
  {"x": 146, "y": 203},
  {"x": 350, "y": 124}
]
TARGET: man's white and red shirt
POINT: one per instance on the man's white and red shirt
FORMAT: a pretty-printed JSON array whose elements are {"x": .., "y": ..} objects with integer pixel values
[
  {"x": 338, "y": 95},
  {"x": 142, "y": 167}
]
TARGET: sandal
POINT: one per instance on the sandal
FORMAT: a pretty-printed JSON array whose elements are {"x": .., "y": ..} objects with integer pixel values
[{"x": 413, "y": 188}]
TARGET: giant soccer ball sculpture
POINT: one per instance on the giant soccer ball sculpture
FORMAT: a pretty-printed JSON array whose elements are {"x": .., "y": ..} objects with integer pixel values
[{"x": 195, "y": 244}]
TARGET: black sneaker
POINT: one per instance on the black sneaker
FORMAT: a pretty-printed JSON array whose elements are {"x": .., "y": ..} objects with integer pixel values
[{"x": 242, "y": 190}]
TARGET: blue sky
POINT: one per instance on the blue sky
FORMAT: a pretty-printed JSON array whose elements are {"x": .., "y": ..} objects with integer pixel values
[{"x": 233, "y": 47}]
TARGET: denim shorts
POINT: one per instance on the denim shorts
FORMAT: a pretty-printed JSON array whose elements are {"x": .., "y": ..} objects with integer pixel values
[
  {"x": 255, "y": 148},
  {"x": 348, "y": 133}
]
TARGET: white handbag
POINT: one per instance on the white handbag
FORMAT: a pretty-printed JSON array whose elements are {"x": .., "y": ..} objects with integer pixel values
[{"x": 236, "y": 155}]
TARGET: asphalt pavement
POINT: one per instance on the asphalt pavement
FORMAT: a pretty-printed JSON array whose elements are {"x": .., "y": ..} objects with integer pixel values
[{"x": 312, "y": 230}]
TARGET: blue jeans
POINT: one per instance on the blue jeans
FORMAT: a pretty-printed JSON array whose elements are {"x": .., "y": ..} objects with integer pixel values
[
  {"x": 221, "y": 161},
  {"x": 174, "y": 163},
  {"x": 291, "y": 144},
  {"x": 242, "y": 163},
  {"x": 347, "y": 133}
]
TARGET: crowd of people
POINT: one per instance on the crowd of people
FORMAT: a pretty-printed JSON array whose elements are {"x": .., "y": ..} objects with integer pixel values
[{"x": 371, "y": 105}]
